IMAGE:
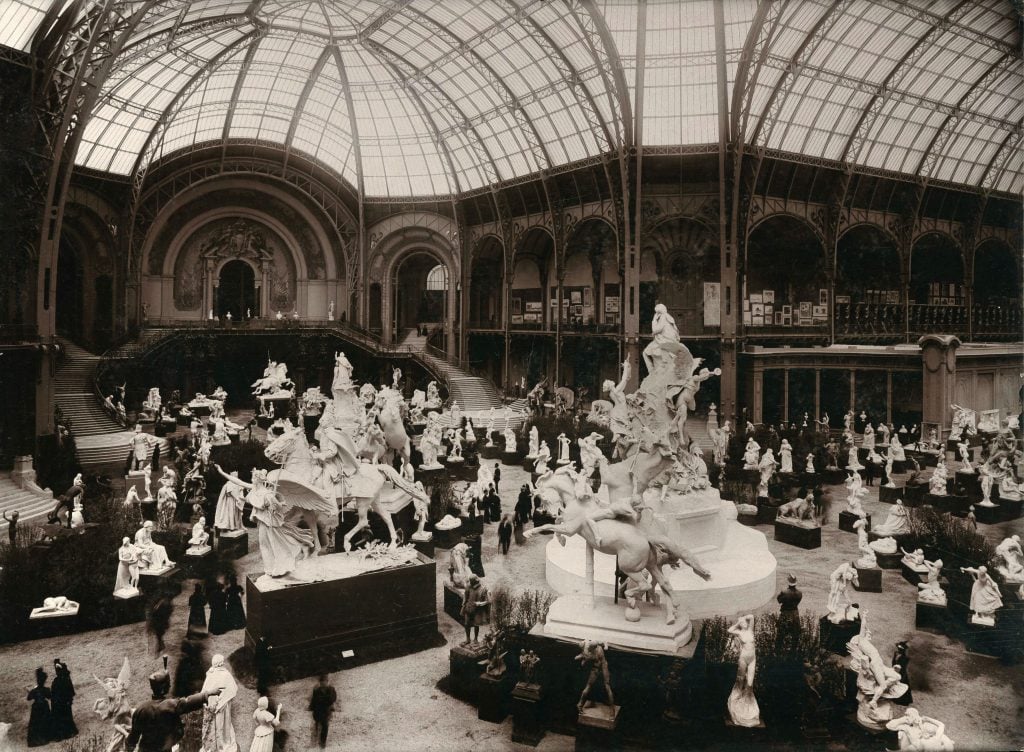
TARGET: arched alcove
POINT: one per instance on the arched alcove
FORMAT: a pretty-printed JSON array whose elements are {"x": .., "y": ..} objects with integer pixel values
[
  {"x": 70, "y": 297},
  {"x": 421, "y": 284},
  {"x": 868, "y": 282},
  {"x": 785, "y": 275},
  {"x": 936, "y": 271},
  {"x": 532, "y": 281},
  {"x": 486, "y": 285},
  {"x": 686, "y": 258},
  {"x": 237, "y": 293},
  {"x": 997, "y": 289},
  {"x": 591, "y": 274}
]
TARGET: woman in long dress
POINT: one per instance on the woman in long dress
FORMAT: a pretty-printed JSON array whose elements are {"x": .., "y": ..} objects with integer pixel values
[
  {"x": 218, "y": 609},
  {"x": 282, "y": 544},
  {"x": 39, "y": 720},
  {"x": 236, "y": 612},
  {"x": 742, "y": 704},
  {"x": 266, "y": 722}
]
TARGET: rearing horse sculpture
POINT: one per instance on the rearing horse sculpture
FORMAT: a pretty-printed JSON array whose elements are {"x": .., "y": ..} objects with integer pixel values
[{"x": 636, "y": 550}]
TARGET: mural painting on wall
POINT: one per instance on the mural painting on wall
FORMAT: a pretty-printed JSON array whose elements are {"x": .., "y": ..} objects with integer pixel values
[{"x": 227, "y": 239}]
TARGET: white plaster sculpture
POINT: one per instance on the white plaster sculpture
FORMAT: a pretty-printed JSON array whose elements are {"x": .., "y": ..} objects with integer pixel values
[
  {"x": 868, "y": 441},
  {"x": 985, "y": 596},
  {"x": 809, "y": 467},
  {"x": 877, "y": 684},
  {"x": 920, "y": 733},
  {"x": 563, "y": 449},
  {"x": 77, "y": 518},
  {"x": 720, "y": 438},
  {"x": 751, "y": 454},
  {"x": 199, "y": 543},
  {"x": 455, "y": 415},
  {"x": 218, "y": 729},
  {"x": 914, "y": 559},
  {"x": 742, "y": 705},
  {"x": 896, "y": 447},
  {"x": 867, "y": 558},
  {"x": 126, "y": 583},
  {"x": 938, "y": 482},
  {"x": 55, "y": 606},
  {"x": 986, "y": 477},
  {"x": 855, "y": 498},
  {"x": 543, "y": 457},
  {"x": 132, "y": 497},
  {"x": 785, "y": 457},
  {"x": 430, "y": 448},
  {"x": 897, "y": 523},
  {"x": 963, "y": 423},
  {"x": 152, "y": 556},
  {"x": 433, "y": 397},
  {"x": 330, "y": 311},
  {"x": 852, "y": 460},
  {"x": 930, "y": 591},
  {"x": 840, "y": 609},
  {"x": 534, "y": 445},
  {"x": 766, "y": 467},
  {"x": 965, "y": 458},
  {"x": 470, "y": 432},
  {"x": 799, "y": 512},
  {"x": 889, "y": 482},
  {"x": 1012, "y": 558},
  {"x": 140, "y": 446}
]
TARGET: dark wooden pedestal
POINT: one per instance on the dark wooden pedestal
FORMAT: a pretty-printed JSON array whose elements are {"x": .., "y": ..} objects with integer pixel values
[
  {"x": 168, "y": 582},
  {"x": 464, "y": 671},
  {"x": 797, "y": 535},
  {"x": 847, "y": 518},
  {"x": 987, "y": 515},
  {"x": 835, "y": 636},
  {"x": 889, "y": 561},
  {"x": 447, "y": 538},
  {"x": 889, "y": 495},
  {"x": 767, "y": 510},
  {"x": 233, "y": 545},
  {"x": 913, "y": 496},
  {"x": 424, "y": 547},
  {"x": 1010, "y": 509},
  {"x": 492, "y": 697},
  {"x": 453, "y": 598},
  {"x": 597, "y": 729},
  {"x": 198, "y": 566},
  {"x": 527, "y": 714},
  {"x": 933, "y": 618},
  {"x": 911, "y": 575},
  {"x": 869, "y": 580}
]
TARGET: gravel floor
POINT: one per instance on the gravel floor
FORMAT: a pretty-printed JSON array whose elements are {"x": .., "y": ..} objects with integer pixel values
[{"x": 395, "y": 705}]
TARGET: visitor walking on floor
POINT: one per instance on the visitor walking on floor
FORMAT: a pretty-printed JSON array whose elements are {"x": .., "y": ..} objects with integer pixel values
[
  {"x": 524, "y": 505},
  {"x": 505, "y": 534},
  {"x": 321, "y": 705},
  {"x": 497, "y": 476}
]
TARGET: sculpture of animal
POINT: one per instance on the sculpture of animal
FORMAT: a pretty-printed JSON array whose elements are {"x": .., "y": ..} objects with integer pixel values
[
  {"x": 636, "y": 550},
  {"x": 650, "y": 458},
  {"x": 800, "y": 509},
  {"x": 395, "y": 437}
]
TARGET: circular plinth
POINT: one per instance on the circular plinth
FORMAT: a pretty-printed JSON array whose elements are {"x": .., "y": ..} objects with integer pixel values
[{"x": 742, "y": 573}]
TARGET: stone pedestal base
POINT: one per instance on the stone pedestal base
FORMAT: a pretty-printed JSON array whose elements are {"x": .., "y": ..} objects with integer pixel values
[
  {"x": 835, "y": 636},
  {"x": 464, "y": 671},
  {"x": 492, "y": 697},
  {"x": 987, "y": 515},
  {"x": 889, "y": 561},
  {"x": 447, "y": 539},
  {"x": 527, "y": 714},
  {"x": 969, "y": 482},
  {"x": 750, "y": 520},
  {"x": 1010, "y": 509},
  {"x": 233, "y": 544},
  {"x": 166, "y": 581},
  {"x": 789, "y": 480},
  {"x": 956, "y": 505},
  {"x": 889, "y": 495},
  {"x": 932, "y": 618},
  {"x": 900, "y": 466},
  {"x": 797, "y": 535},
  {"x": 846, "y": 520},
  {"x": 913, "y": 495},
  {"x": 833, "y": 477},
  {"x": 986, "y": 640},
  {"x": 529, "y": 463},
  {"x": 472, "y": 525},
  {"x": 452, "y": 601},
  {"x": 596, "y": 729},
  {"x": 425, "y": 547},
  {"x": 571, "y": 617},
  {"x": 911, "y": 575},
  {"x": 198, "y": 565},
  {"x": 870, "y": 580}
]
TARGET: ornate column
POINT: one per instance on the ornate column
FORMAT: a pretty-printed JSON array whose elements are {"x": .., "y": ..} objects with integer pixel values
[{"x": 938, "y": 377}]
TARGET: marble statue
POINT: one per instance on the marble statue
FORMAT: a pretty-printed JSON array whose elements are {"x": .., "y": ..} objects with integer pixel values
[
  {"x": 114, "y": 706},
  {"x": 930, "y": 591},
  {"x": 896, "y": 448},
  {"x": 218, "y": 729},
  {"x": 1012, "y": 566},
  {"x": 470, "y": 432},
  {"x": 274, "y": 380},
  {"x": 868, "y": 441},
  {"x": 963, "y": 423},
  {"x": 840, "y": 609},
  {"x": 152, "y": 556},
  {"x": 330, "y": 311},
  {"x": 534, "y": 443},
  {"x": 368, "y": 393},
  {"x": 883, "y": 434},
  {"x": 396, "y": 378},
  {"x": 884, "y": 545},
  {"x": 455, "y": 439},
  {"x": 720, "y": 440},
  {"x": 430, "y": 448},
  {"x": 166, "y": 499},
  {"x": 140, "y": 446},
  {"x": 848, "y": 421},
  {"x": 832, "y": 455},
  {"x": 153, "y": 401},
  {"x": 852, "y": 460},
  {"x": 56, "y": 605},
  {"x": 785, "y": 457},
  {"x": 985, "y": 596},
  {"x": 913, "y": 559},
  {"x": 230, "y": 503},
  {"x": 856, "y": 493},
  {"x": 751, "y": 455},
  {"x": 809, "y": 467},
  {"x": 563, "y": 449},
  {"x": 455, "y": 415},
  {"x": 433, "y": 397},
  {"x": 618, "y": 414},
  {"x": 877, "y": 684},
  {"x": 889, "y": 481},
  {"x": 592, "y": 657},
  {"x": 867, "y": 558},
  {"x": 742, "y": 705},
  {"x": 126, "y": 583},
  {"x": 590, "y": 454},
  {"x": 986, "y": 477},
  {"x": 1009, "y": 488},
  {"x": 132, "y": 497},
  {"x": 543, "y": 457},
  {"x": 665, "y": 344},
  {"x": 766, "y": 467},
  {"x": 77, "y": 518},
  {"x": 920, "y": 733},
  {"x": 965, "y": 457},
  {"x": 266, "y": 722},
  {"x": 897, "y": 523},
  {"x": 199, "y": 543},
  {"x": 937, "y": 483},
  {"x": 799, "y": 512}
]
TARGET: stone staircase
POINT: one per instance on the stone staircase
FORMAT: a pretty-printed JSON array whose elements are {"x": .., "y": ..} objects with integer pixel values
[
  {"x": 473, "y": 393},
  {"x": 30, "y": 504},
  {"x": 99, "y": 438}
]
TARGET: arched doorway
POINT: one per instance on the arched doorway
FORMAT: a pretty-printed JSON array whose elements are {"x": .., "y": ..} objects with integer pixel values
[
  {"x": 681, "y": 250},
  {"x": 997, "y": 289},
  {"x": 868, "y": 283},
  {"x": 486, "y": 285},
  {"x": 236, "y": 290},
  {"x": 937, "y": 292},
  {"x": 420, "y": 296},
  {"x": 785, "y": 275}
]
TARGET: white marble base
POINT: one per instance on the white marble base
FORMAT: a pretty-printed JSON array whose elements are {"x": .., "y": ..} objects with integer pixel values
[
  {"x": 157, "y": 572},
  {"x": 422, "y": 537},
  {"x": 197, "y": 550},
  {"x": 127, "y": 593},
  {"x": 932, "y": 601},
  {"x": 40, "y": 613},
  {"x": 231, "y": 533},
  {"x": 336, "y": 566},
  {"x": 570, "y": 617},
  {"x": 435, "y": 466},
  {"x": 984, "y": 621},
  {"x": 141, "y": 473}
]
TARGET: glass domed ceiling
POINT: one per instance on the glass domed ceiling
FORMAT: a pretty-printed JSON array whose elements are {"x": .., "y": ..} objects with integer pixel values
[{"x": 436, "y": 97}]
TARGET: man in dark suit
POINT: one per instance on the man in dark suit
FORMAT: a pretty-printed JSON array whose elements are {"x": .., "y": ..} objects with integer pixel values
[
  {"x": 497, "y": 476},
  {"x": 321, "y": 705},
  {"x": 156, "y": 724},
  {"x": 789, "y": 614}
]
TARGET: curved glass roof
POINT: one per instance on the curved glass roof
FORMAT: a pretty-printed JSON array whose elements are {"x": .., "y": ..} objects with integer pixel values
[{"x": 436, "y": 97}]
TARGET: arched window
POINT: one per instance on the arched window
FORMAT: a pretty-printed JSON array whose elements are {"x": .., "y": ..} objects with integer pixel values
[{"x": 437, "y": 279}]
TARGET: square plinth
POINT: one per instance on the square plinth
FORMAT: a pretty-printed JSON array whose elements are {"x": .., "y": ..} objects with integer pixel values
[
  {"x": 447, "y": 538},
  {"x": 956, "y": 505},
  {"x": 750, "y": 520},
  {"x": 833, "y": 476},
  {"x": 987, "y": 515},
  {"x": 913, "y": 495},
  {"x": 767, "y": 511},
  {"x": 233, "y": 544},
  {"x": 798, "y": 535},
  {"x": 453, "y": 598},
  {"x": 889, "y": 495},
  {"x": 889, "y": 561},
  {"x": 834, "y": 637},
  {"x": 847, "y": 518},
  {"x": 869, "y": 580},
  {"x": 354, "y": 614},
  {"x": 931, "y": 617},
  {"x": 198, "y": 565},
  {"x": 493, "y": 697},
  {"x": 527, "y": 714},
  {"x": 167, "y": 580},
  {"x": 425, "y": 547},
  {"x": 913, "y": 575},
  {"x": 1010, "y": 509},
  {"x": 464, "y": 671}
]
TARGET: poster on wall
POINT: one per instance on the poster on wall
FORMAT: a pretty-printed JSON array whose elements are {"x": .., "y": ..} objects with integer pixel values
[
  {"x": 611, "y": 305},
  {"x": 577, "y": 297},
  {"x": 534, "y": 306},
  {"x": 517, "y": 318},
  {"x": 712, "y": 304}
]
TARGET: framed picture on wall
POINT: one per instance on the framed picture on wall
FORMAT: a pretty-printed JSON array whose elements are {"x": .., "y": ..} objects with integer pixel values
[
  {"x": 840, "y": 299},
  {"x": 823, "y": 297},
  {"x": 534, "y": 306},
  {"x": 746, "y": 304},
  {"x": 778, "y": 318},
  {"x": 757, "y": 310},
  {"x": 768, "y": 296},
  {"x": 787, "y": 310},
  {"x": 757, "y": 320},
  {"x": 769, "y": 311},
  {"x": 747, "y": 318},
  {"x": 819, "y": 312},
  {"x": 517, "y": 306},
  {"x": 517, "y": 318},
  {"x": 756, "y": 297},
  {"x": 587, "y": 300},
  {"x": 787, "y": 319},
  {"x": 806, "y": 308},
  {"x": 577, "y": 297}
]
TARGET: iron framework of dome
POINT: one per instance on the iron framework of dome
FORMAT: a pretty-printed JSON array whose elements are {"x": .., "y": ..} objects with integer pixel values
[{"x": 441, "y": 97}]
